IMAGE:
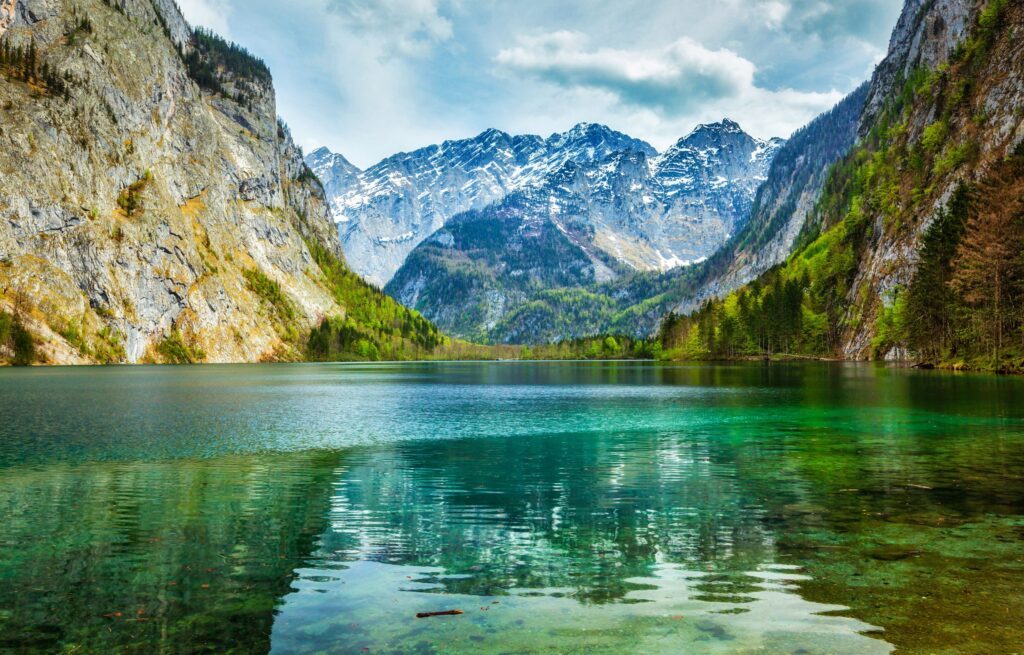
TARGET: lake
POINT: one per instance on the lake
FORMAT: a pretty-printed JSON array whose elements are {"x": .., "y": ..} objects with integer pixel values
[{"x": 562, "y": 507}]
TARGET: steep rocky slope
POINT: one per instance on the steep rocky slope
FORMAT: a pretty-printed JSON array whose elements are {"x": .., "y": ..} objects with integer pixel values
[
  {"x": 914, "y": 247},
  {"x": 152, "y": 207},
  {"x": 782, "y": 206},
  {"x": 595, "y": 222},
  {"x": 959, "y": 76},
  {"x": 335, "y": 172}
]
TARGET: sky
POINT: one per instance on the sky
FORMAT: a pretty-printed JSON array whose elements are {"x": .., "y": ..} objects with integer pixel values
[{"x": 369, "y": 78}]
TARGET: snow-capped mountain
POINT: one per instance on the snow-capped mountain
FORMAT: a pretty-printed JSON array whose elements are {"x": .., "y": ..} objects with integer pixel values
[
  {"x": 388, "y": 209},
  {"x": 651, "y": 211},
  {"x": 656, "y": 213},
  {"x": 595, "y": 220},
  {"x": 336, "y": 173}
]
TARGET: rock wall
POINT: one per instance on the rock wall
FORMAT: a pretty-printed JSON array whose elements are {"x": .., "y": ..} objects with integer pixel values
[
  {"x": 132, "y": 208},
  {"x": 6, "y": 15},
  {"x": 926, "y": 34},
  {"x": 989, "y": 119}
]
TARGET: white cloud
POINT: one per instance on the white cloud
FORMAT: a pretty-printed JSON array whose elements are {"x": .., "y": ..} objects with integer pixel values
[
  {"x": 408, "y": 28},
  {"x": 660, "y": 93},
  {"x": 212, "y": 14},
  {"x": 775, "y": 13},
  {"x": 376, "y": 93},
  {"x": 837, "y": 22},
  {"x": 372, "y": 77},
  {"x": 673, "y": 79}
]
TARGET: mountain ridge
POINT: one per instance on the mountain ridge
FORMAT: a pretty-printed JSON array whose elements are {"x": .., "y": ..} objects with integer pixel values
[
  {"x": 403, "y": 199},
  {"x": 626, "y": 212}
]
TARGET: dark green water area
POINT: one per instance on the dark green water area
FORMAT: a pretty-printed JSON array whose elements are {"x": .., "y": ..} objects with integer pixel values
[{"x": 589, "y": 508}]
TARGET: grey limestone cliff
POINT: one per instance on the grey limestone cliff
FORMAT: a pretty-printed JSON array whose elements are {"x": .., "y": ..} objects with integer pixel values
[{"x": 134, "y": 201}]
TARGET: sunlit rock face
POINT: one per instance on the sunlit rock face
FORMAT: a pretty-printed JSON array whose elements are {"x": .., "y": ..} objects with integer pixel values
[{"x": 133, "y": 204}]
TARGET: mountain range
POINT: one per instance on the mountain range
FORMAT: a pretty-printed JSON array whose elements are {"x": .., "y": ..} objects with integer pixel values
[{"x": 457, "y": 230}]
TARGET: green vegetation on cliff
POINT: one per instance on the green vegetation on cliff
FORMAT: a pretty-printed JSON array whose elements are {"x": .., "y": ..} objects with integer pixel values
[
  {"x": 174, "y": 350},
  {"x": 16, "y": 343},
  {"x": 24, "y": 63},
  {"x": 964, "y": 305},
  {"x": 374, "y": 327},
  {"x": 217, "y": 65}
]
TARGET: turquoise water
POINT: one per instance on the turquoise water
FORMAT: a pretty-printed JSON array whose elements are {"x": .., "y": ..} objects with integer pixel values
[{"x": 563, "y": 508}]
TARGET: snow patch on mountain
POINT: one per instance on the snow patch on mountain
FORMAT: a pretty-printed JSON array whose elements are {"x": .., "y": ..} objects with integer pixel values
[{"x": 650, "y": 211}]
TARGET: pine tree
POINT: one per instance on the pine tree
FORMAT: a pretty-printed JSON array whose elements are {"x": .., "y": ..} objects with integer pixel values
[
  {"x": 30, "y": 62},
  {"x": 988, "y": 268},
  {"x": 931, "y": 301}
]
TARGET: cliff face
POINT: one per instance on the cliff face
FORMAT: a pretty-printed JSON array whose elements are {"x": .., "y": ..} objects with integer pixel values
[
  {"x": 925, "y": 35},
  {"x": 973, "y": 99},
  {"x": 913, "y": 247},
  {"x": 139, "y": 209}
]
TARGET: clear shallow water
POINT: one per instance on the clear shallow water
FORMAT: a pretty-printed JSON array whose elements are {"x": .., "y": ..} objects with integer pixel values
[{"x": 565, "y": 508}]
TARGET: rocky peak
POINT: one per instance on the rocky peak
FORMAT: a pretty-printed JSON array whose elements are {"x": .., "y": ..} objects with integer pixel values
[
  {"x": 334, "y": 171},
  {"x": 716, "y": 154},
  {"x": 590, "y": 141},
  {"x": 927, "y": 33},
  {"x": 783, "y": 202},
  {"x": 492, "y": 136},
  {"x": 324, "y": 154},
  {"x": 714, "y": 135}
]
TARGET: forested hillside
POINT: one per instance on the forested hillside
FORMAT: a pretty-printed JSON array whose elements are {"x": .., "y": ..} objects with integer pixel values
[{"x": 916, "y": 246}]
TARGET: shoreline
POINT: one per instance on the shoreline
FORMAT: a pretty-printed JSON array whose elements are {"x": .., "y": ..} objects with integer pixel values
[{"x": 951, "y": 367}]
